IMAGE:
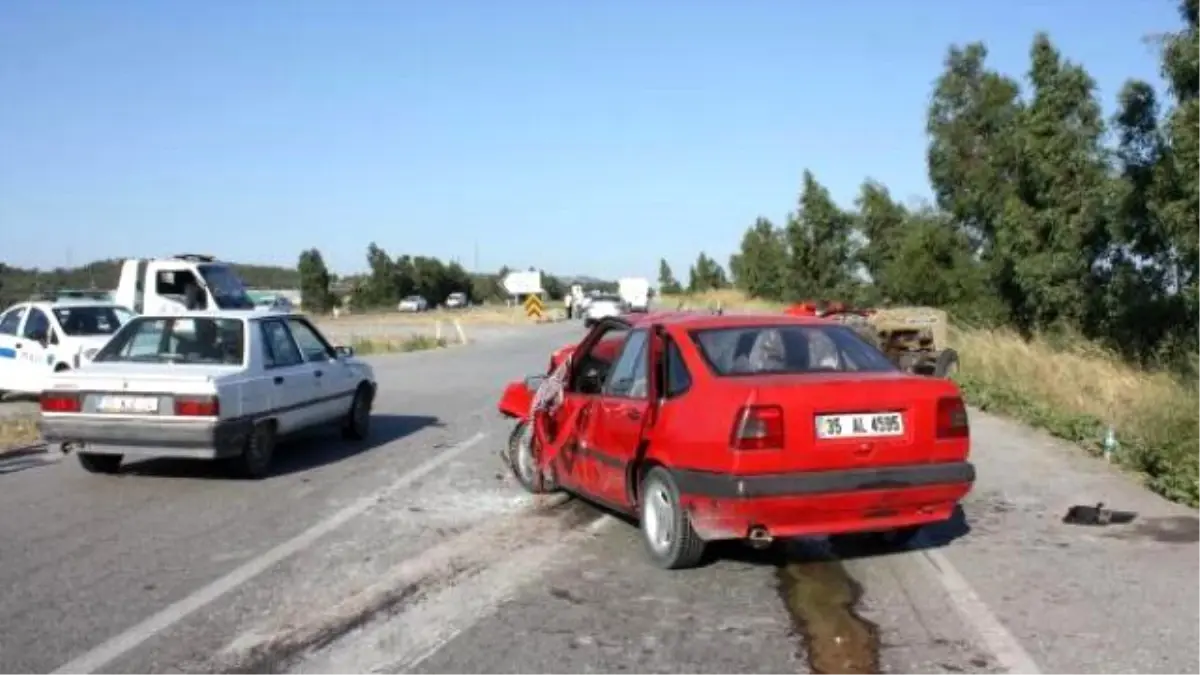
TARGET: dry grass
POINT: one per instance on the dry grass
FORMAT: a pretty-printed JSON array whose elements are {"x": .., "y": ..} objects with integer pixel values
[
  {"x": 387, "y": 345},
  {"x": 483, "y": 314},
  {"x": 1079, "y": 391},
  {"x": 1073, "y": 389},
  {"x": 728, "y": 299},
  {"x": 1073, "y": 375},
  {"x": 16, "y": 432}
]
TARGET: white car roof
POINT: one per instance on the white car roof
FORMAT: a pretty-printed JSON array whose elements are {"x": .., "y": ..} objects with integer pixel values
[
  {"x": 48, "y": 305},
  {"x": 240, "y": 314}
]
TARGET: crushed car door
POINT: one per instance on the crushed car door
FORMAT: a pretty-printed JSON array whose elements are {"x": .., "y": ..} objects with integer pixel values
[
  {"x": 589, "y": 372},
  {"x": 616, "y": 427}
]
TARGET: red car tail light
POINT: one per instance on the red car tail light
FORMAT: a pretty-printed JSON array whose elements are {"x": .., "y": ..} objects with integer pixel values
[
  {"x": 952, "y": 418},
  {"x": 197, "y": 406},
  {"x": 60, "y": 402},
  {"x": 758, "y": 427}
]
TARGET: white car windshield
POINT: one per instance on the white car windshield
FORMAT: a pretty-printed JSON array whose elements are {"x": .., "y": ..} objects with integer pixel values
[
  {"x": 85, "y": 321},
  {"x": 186, "y": 340}
]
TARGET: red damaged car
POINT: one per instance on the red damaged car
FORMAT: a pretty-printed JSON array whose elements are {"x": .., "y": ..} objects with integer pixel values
[{"x": 749, "y": 427}]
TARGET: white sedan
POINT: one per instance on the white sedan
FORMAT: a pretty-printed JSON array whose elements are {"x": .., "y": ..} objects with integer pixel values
[
  {"x": 413, "y": 303},
  {"x": 40, "y": 338},
  {"x": 206, "y": 385},
  {"x": 603, "y": 306}
]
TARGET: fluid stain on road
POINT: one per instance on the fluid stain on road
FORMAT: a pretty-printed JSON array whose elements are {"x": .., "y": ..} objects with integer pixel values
[{"x": 822, "y": 598}]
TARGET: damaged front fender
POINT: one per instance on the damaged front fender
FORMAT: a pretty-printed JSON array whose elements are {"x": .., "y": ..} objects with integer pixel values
[{"x": 517, "y": 398}]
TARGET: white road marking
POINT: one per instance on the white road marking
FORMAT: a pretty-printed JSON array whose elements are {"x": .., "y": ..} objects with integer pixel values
[
  {"x": 996, "y": 638},
  {"x": 98, "y": 657}
]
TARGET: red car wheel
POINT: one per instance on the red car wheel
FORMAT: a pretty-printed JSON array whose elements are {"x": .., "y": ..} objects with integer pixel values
[{"x": 666, "y": 528}]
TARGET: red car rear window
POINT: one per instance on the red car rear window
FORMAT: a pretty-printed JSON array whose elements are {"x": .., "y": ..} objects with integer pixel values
[{"x": 774, "y": 350}]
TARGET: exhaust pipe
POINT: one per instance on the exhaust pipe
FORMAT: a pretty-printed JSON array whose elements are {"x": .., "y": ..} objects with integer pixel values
[{"x": 759, "y": 537}]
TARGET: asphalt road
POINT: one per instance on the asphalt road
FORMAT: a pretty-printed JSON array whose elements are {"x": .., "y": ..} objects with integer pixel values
[{"x": 416, "y": 552}]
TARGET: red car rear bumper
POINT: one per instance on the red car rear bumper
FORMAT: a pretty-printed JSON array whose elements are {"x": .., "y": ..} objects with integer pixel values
[{"x": 725, "y": 506}]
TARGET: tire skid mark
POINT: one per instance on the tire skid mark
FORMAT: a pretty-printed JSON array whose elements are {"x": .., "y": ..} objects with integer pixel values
[{"x": 308, "y": 630}]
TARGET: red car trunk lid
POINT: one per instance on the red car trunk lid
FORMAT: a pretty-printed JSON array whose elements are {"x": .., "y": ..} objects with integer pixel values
[{"x": 846, "y": 420}]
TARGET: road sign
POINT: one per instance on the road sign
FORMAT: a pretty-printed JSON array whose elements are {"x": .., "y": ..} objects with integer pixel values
[
  {"x": 534, "y": 307},
  {"x": 520, "y": 283}
]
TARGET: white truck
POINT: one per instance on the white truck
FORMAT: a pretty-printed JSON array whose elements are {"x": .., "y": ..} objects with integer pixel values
[
  {"x": 180, "y": 283},
  {"x": 635, "y": 291}
]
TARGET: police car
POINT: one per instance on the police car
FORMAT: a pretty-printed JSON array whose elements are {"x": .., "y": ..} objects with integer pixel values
[
  {"x": 214, "y": 385},
  {"x": 38, "y": 338}
]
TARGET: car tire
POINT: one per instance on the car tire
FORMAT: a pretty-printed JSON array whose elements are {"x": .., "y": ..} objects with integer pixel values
[
  {"x": 357, "y": 425},
  {"x": 254, "y": 462},
  {"x": 95, "y": 463},
  {"x": 946, "y": 364},
  {"x": 677, "y": 546},
  {"x": 522, "y": 462}
]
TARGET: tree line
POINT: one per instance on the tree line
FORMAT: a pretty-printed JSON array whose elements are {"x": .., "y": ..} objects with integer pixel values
[
  {"x": 390, "y": 279},
  {"x": 1038, "y": 221},
  {"x": 387, "y": 280}
]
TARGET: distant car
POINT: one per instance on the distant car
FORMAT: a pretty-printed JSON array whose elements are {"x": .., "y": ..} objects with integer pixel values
[
  {"x": 413, "y": 303},
  {"x": 222, "y": 385},
  {"x": 601, "y": 307},
  {"x": 749, "y": 427},
  {"x": 456, "y": 300},
  {"x": 39, "y": 338},
  {"x": 278, "y": 303}
]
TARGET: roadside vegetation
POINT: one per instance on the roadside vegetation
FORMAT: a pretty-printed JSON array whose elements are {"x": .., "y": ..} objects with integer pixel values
[
  {"x": 17, "y": 432},
  {"x": 1068, "y": 262},
  {"x": 386, "y": 345}
]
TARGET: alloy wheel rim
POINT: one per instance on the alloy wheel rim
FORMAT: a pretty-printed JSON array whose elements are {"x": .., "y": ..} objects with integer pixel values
[{"x": 657, "y": 516}]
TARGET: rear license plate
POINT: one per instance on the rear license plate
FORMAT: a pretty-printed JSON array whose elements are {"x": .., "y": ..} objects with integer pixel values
[
  {"x": 127, "y": 404},
  {"x": 860, "y": 425}
]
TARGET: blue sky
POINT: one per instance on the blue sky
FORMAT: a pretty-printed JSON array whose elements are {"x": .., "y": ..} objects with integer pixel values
[{"x": 581, "y": 137}]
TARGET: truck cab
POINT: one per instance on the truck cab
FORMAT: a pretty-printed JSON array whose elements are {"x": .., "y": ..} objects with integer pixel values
[
  {"x": 635, "y": 291},
  {"x": 180, "y": 283}
]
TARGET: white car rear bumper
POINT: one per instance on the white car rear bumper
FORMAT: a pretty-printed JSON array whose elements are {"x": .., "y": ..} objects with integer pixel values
[{"x": 181, "y": 438}]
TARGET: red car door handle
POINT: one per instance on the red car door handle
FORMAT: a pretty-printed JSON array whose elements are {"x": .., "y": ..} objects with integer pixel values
[{"x": 633, "y": 414}]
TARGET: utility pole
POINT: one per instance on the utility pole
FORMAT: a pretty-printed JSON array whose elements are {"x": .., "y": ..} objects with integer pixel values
[{"x": 475, "y": 264}]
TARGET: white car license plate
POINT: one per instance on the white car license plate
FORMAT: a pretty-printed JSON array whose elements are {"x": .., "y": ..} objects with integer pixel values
[
  {"x": 860, "y": 425},
  {"x": 127, "y": 404}
]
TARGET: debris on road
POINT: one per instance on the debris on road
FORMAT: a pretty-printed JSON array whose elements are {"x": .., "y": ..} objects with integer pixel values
[{"x": 1097, "y": 515}]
